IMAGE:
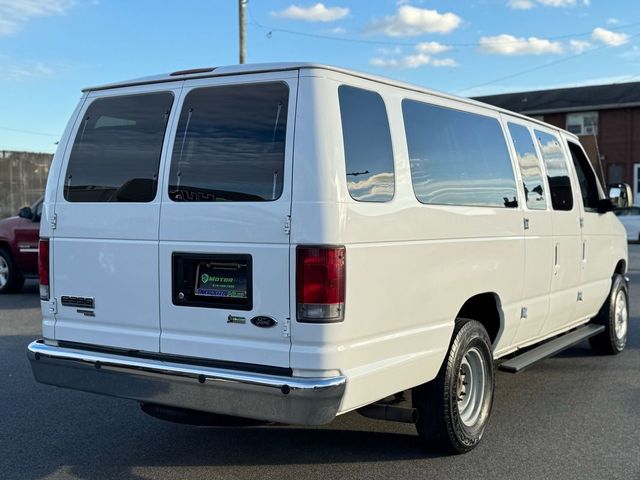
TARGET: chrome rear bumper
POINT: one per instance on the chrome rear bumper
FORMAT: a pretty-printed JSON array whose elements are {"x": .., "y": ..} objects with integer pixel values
[{"x": 293, "y": 400}]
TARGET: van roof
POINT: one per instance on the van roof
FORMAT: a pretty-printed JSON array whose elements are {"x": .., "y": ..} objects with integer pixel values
[{"x": 283, "y": 66}]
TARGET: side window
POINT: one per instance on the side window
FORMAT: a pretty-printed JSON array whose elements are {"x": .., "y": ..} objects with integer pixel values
[
  {"x": 367, "y": 145},
  {"x": 116, "y": 152},
  {"x": 38, "y": 213},
  {"x": 586, "y": 178},
  {"x": 230, "y": 144},
  {"x": 557, "y": 172},
  {"x": 529, "y": 167},
  {"x": 457, "y": 158}
]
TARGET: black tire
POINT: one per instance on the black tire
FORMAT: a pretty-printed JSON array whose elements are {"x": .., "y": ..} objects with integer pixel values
[
  {"x": 14, "y": 279},
  {"x": 440, "y": 424},
  {"x": 612, "y": 341}
]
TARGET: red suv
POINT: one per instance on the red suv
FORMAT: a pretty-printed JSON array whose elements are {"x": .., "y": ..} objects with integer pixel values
[{"x": 19, "y": 248}]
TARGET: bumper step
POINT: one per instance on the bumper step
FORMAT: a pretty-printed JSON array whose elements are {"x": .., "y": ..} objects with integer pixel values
[{"x": 283, "y": 399}]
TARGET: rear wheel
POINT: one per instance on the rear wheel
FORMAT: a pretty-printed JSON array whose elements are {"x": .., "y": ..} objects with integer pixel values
[
  {"x": 454, "y": 408},
  {"x": 10, "y": 278},
  {"x": 614, "y": 315}
]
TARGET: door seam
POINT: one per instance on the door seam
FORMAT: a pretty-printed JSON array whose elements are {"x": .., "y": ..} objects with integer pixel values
[{"x": 161, "y": 178}]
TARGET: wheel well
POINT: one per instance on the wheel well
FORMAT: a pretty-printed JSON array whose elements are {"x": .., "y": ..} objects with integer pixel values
[
  {"x": 5, "y": 246},
  {"x": 621, "y": 267},
  {"x": 485, "y": 309}
]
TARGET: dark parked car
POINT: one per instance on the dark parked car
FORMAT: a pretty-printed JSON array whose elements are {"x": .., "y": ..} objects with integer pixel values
[{"x": 19, "y": 247}]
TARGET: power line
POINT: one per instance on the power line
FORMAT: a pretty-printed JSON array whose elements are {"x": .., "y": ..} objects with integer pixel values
[
  {"x": 30, "y": 132},
  {"x": 629, "y": 79},
  {"x": 469, "y": 44},
  {"x": 271, "y": 30}
]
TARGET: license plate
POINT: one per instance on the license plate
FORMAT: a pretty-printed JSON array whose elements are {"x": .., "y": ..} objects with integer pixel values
[
  {"x": 221, "y": 280},
  {"x": 212, "y": 280}
]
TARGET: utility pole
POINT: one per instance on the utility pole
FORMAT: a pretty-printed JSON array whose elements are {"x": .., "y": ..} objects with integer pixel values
[{"x": 242, "y": 4}]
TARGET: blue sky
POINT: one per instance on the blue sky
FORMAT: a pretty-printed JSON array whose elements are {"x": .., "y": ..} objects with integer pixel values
[{"x": 51, "y": 49}]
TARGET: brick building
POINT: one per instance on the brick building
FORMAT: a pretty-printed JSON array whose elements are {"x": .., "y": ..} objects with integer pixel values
[{"x": 606, "y": 117}]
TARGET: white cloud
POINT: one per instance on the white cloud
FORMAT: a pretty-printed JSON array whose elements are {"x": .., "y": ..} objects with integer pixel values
[
  {"x": 579, "y": 46},
  {"x": 390, "y": 51},
  {"x": 528, "y": 4},
  {"x": 407, "y": 62},
  {"x": 444, "y": 62},
  {"x": 411, "y": 21},
  {"x": 24, "y": 70},
  {"x": 383, "y": 62},
  {"x": 509, "y": 45},
  {"x": 521, "y": 4},
  {"x": 423, "y": 56},
  {"x": 432, "y": 47},
  {"x": 15, "y": 13},
  {"x": 612, "y": 21},
  {"x": 415, "y": 60},
  {"x": 315, "y": 13},
  {"x": 563, "y": 3},
  {"x": 338, "y": 31},
  {"x": 610, "y": 38}
]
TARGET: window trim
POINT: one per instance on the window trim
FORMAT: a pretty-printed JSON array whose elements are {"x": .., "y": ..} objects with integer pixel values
[
  {"x": 599, "y": 189},
  {"x": 393, "y": 155},
  {"x": 471, "y": 112},
  {"x": 543, "y": 171},
  {"x": 234, "y": 81},
  {"x": 110, "y": 94},
  {"x": 559, "y": 137}
]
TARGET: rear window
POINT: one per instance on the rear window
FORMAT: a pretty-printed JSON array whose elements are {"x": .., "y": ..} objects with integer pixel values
[
  {"x": 116, "y": 152},
  {"x": 368, "y": 153},
  {"x": 230, "y": 144},
  {"x": 457, "y": 158}
]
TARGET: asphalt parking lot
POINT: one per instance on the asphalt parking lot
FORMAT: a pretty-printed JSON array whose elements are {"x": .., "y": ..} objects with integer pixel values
[{"x": 574, "y": 416}]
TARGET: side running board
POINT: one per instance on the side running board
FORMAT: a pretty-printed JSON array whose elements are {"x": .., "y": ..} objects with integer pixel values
[{"x": 549, "y": 348}]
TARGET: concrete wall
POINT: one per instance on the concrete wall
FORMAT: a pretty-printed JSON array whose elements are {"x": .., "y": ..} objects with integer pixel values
[{"x": 23, "y": 176}]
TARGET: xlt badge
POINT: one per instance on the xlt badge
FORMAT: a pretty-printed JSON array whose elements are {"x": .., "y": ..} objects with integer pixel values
[{"x": 234, "y": 319}]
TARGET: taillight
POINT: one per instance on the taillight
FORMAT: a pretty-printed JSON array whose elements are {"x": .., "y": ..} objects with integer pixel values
[
  {"x": 320, "y": 284},
  {"x": 43, "y": 268}
]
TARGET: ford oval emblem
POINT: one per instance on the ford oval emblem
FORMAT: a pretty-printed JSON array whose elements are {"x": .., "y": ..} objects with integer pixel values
[{"x": 263, "y": 321}]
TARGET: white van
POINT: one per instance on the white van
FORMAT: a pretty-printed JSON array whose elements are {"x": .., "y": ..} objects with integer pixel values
[{"x": 290, "y": 242}]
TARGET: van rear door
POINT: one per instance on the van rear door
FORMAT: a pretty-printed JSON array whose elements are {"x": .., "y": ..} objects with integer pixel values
[
  {"x": 105, "y": 245},
  {"x": 226, "y": 201}
]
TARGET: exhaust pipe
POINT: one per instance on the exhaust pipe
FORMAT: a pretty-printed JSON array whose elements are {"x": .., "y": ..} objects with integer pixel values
[{"x": 390, "y": 413}]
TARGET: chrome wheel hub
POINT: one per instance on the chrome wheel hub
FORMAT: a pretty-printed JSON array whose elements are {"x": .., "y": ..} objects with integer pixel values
[
  {"x": 470, "y": 387},
  {"x": 621, "y": 316},
  {"x": 4, "y": 272}
]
